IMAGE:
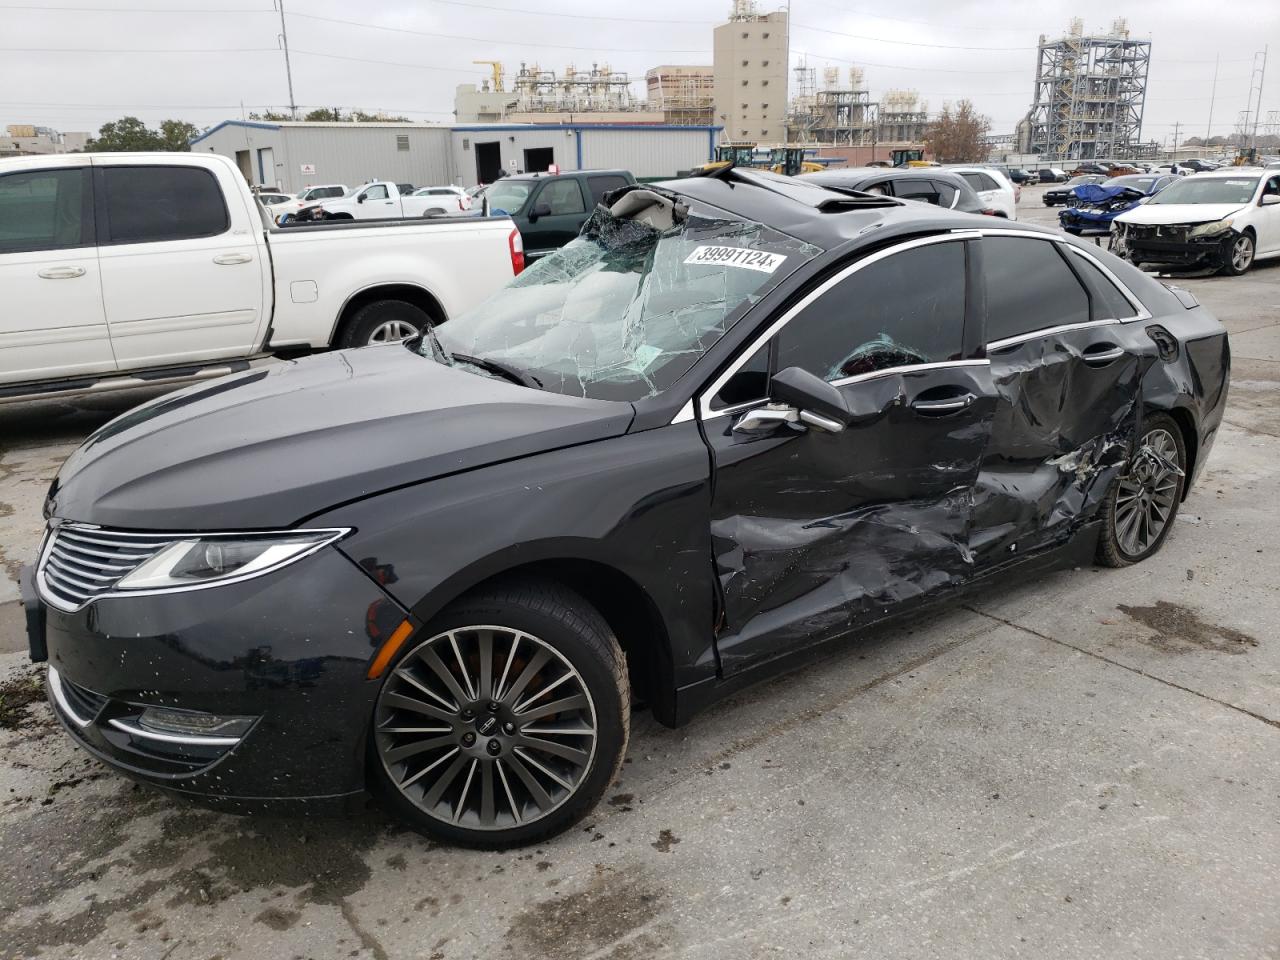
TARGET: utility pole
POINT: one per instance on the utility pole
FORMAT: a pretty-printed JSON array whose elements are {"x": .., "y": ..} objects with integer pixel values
[
  {"x": 1257, "y": 112},
  {"x": 1212, "y": 97},
  {"x": 288, "y": 70},
  {"x": 1177, "y": 125}
]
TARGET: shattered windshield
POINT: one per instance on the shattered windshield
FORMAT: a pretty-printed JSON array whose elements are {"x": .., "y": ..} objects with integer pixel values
[{"x": 624, "y": 310}]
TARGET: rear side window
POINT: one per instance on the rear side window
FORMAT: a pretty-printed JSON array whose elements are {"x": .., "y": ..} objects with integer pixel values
[
  {"x": 563, "y": 196},
  {"x": 1109, "y": 302},
  {"x": 1029, "y": 287},
  {"x": 922, "y": 190},
  {"x": 45, "y": 210},
  {"x": 906, "y": 309},
  {"x": 946, "y": 193},
  {"x": 151, "y": 204},
  {"x": 602, "y": 184},
  {"x": 327, "y": 192}
]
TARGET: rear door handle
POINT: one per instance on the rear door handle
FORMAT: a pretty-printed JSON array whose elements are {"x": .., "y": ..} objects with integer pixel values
[
  {"x": 230, "y": 258},
  {"x": 1100, "y": 354},
  {"x": 61, "y": 273},
  {"x": 938, "y": 408}
]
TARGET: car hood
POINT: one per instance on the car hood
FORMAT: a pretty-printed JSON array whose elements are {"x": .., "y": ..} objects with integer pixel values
[
  {"x": 1159, "y": 214},
  {"x": 268, "y": 448}
]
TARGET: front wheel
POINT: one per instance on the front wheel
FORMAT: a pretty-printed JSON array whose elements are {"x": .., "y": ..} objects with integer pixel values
[
  {"x": 1142, "y": 505},
  {"x": 507, "y": 723},
  {"x": 1238, "y": 256}
]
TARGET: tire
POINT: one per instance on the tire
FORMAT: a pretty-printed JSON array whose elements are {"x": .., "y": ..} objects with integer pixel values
[
  {"x": 525, "y": 620},
  {"x": 384, "y": 321},
  {"x": 1122, "y": 545},
  {"x": 1238, "y": 253}
]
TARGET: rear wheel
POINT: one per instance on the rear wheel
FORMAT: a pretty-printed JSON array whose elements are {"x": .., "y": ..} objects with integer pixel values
[
  {"x": 384, "y": 321},
  {"x": 508, "y": 722},
  {"x": 1142, "y": 505},
  {"x": 1238, "y": 255}
]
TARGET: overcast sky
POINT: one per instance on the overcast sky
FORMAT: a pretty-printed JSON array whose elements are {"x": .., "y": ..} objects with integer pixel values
[{"x": 73, "y": 64}]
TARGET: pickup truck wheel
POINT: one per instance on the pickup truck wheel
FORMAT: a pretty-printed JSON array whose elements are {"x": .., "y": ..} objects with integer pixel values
[
  {"x": 384, "y": 321},
  {"x": 506, "y": 721}
]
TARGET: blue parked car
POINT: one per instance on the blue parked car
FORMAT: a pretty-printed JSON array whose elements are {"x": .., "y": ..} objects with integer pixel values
[{"x": 1092, "y": 206}]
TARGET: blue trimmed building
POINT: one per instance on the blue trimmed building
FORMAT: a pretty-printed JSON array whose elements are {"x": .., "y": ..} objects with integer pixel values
[{"x": 291, "y": 155}]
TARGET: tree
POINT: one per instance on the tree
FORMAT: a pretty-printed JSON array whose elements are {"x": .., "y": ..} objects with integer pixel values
[
  {"x": 324, "y": 115},
  {"x": 127, "y": 133},
  {"x": 177, "y": 135},
  {"x": 271, "y": 115},
  {"x": 359, "y": 116},
  {"x": 958, "y": 135}
]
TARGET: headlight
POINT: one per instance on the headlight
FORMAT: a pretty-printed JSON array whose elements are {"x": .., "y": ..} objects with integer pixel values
[
  {"x": 224, "y": 557},
  {"x": 1211, "y": 229}
]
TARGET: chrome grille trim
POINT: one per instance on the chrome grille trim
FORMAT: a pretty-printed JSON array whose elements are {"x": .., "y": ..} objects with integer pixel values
[{"x": 71, "y": 574}]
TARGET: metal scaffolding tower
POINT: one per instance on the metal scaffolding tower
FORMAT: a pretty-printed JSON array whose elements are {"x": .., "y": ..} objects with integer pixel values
[{"x": 1090, "y": 93}]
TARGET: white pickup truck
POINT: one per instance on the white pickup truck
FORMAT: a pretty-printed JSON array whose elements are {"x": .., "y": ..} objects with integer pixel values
[
  {"x": 377, "y": 200},
  {"x": 123, "y": 269}
]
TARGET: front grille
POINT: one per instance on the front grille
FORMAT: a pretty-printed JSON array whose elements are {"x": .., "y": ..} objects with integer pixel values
[{"x": 82, "y": 562}]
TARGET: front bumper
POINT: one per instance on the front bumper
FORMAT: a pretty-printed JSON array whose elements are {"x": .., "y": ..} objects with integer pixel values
[
  {"x": 1178, "y": 250},
  {"x": 289, "y": 649}
]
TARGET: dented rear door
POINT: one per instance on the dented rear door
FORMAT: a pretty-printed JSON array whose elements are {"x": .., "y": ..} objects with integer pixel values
[
  {"x": 1067, "y": 374},
  {"x": 816, "y": 533}
]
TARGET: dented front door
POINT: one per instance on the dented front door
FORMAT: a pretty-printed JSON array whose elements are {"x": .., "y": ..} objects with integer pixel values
[{"x": 815, "y": 533}]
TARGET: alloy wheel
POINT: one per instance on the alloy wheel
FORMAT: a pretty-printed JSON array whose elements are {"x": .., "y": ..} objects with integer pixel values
[
  {"x": 393, "y": 331},
  {"x": 1242, "y": 253},
  {"x": 485, "y": 727},
  {"x": 1147, "y": 496}
]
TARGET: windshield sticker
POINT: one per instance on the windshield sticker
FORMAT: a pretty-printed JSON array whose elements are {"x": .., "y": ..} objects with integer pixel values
[{"x": 760, "y": 260}]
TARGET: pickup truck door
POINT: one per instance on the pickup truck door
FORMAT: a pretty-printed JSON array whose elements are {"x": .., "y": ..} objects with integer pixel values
[
  {"x": 376, "y": 202},
  {"x": 556, "y": 214},
  {"x": 51, "y": 318},
  {"x": 181, "y": 253}
]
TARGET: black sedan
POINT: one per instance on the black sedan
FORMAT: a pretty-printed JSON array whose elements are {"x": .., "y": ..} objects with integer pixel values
[
  {"x": 1062, "y": 194},
  {"x": 925, "y": 185},
  {"x": 738, "y": 417}
]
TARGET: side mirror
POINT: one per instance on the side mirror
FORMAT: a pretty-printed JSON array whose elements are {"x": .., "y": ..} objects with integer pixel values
[
  {"x": 1270, "y": 199},
  {"x": 360, "y": 199},
  {"x": 820, "y": 404},
  {"x": 539, "y": 210}
]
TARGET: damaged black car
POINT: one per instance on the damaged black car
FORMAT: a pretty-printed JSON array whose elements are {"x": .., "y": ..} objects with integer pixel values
[{"x": 738, "y": 418}]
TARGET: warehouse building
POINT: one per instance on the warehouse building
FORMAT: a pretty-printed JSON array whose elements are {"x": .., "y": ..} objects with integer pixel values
[{"x": 292, "y": 155}]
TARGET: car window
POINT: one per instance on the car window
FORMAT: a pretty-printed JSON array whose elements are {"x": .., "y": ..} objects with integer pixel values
[
  {"x": 151, "y": 204},
  {"x": 749, "y": 383},
  {"x": 563, "y": 196},
  {"x": 905, "y": 309},
  {"x": 1109, "y": 302},
  {"x": 508, "y": 195},
  {"x": 331, "y": 192},
  {"x": 920, "y": 190},
  {"x": 1272, "y": 188},
  {"x": 974, "y": 180},
  {"x": 45, "y": 210},
  {"x": 1029, "y": 287},
  {"x": 601, "y": 184},
  {"x": 378, "y": 192},
  {"x": 946, "y": 193}
]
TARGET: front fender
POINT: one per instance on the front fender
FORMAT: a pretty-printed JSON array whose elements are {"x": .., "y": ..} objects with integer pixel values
[{"x": 636, "y": 503}]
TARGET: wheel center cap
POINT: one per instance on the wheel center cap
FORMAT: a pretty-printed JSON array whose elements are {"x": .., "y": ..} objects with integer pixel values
[{"x": 487, "y": 724}]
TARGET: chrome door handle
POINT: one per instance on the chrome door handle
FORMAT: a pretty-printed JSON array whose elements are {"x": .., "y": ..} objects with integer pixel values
[
  {"x": 1102, "y": 353},
  {"x": 764, "y": 419},
  {"x": 229, "y": 258},
  {"x": 950, "y": 405},
  {"x": 62, "y": 273}
]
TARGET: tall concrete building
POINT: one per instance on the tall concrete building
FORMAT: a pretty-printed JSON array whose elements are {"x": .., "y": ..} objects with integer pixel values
[{"x": 750, "y": 64}]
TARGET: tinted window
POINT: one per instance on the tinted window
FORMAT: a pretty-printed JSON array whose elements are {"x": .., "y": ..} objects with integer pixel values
[
  {"x": 563, "y": 196},
  {"x": 905, "y": 309},
  {"x": 149, "y": 204},
  {"x": 946, "y": 193},
  {"x": 974, "y": 180},
  {"x": 1109, "y": 302},
  {"x": 330, "y": 192},
  {"x": 921, "y": 190},
  {"x": 45, "y": 210},
  {"x": 749, "y": 383},
  {"x": 601, "y": 185},
  {"x": 1029, "y": 287}
]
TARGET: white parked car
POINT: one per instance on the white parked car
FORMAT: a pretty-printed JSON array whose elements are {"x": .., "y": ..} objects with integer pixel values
[
  {"x": 323, "y": 191},
  {"x": 376, "y": 200},
  {"x": 272, "y": 200},
  {"x": 1221, "y": 219},
  {"x": 995, "y": 189},
  {"x": 180, "y": 275},
  {"x": 450, "y": 199}
]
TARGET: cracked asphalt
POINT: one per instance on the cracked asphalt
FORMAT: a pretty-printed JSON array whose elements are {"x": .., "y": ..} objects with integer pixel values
[{"x": 1086, "y": 765}]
